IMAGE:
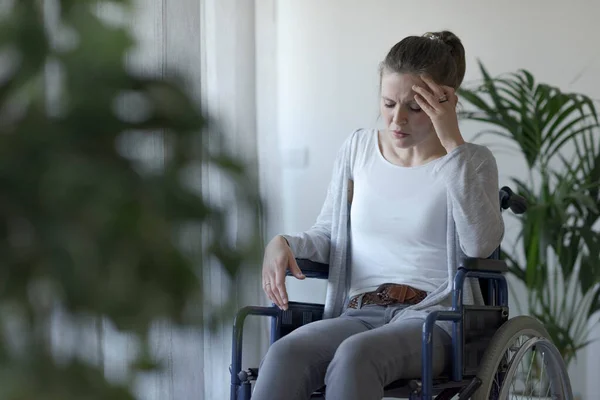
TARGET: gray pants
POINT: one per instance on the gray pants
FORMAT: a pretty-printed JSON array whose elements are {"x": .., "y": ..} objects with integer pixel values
[{"x": 356, "y": 355}]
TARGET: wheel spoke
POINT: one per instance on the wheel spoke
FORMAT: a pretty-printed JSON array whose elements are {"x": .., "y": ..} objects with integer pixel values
[
  {"x": 548, "y": 390},
  {"x": 521, "y": 353},
  {"x": 529, "y": 372},
  {"x": 496, "y": 383},
  {"x": 542, "y": 372}
]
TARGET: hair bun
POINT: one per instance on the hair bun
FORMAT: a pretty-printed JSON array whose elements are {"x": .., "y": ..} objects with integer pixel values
[
  {"x": 448, "y": 38},
  {"x": 453, "y": 41},
  {"x": 454, "y": 44}
]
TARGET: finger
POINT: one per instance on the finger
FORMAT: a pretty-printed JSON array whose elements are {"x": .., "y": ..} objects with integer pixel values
[
  {"x": 273, "y": 291},
  {"x": 436, "y": 89},
  {"x": 280, "y": 289},
  {"x": 426, "y": 95},
  {"x": 268, "y": 287},
  {"x": 276, "y": 297},
  {"x": 425, "y": 106},
  {"x": 295, "y": 269},
  {"x": 450, "y": 93},
  {"x": 270, "y": 294},
  {"x": 440, "y": 91}
]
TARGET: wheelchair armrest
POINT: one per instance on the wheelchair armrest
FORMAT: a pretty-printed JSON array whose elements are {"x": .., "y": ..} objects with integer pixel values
[
  {"x": 484, "y": 265},
  {"x": 312, "y": 269}
]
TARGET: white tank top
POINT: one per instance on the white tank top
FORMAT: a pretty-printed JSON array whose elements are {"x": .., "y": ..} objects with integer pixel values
[{"x": 398, "y": 224}]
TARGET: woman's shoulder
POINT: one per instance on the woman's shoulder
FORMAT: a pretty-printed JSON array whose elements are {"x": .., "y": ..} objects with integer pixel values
[
  {"x": 361, "y": 137},
  {"x": 357, "y": 146},
  {"x": 476, "y": 155},
  {"x": 477, "y": 152},
  {"x": 479, "y": 148},
  {"x": 359, "y": 142}
]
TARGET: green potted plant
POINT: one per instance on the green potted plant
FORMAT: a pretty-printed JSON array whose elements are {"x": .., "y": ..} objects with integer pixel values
[
  {"x": 87, "y": 227},
  {"x": 557, "y": 135}
]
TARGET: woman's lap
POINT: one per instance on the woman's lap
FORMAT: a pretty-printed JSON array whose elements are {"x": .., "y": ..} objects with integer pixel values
[{"x": 349, "y": 345}]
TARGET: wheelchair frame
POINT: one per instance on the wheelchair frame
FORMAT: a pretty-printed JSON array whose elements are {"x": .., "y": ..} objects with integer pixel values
[
  {"x": 468, "y": 344},
  {"x": 497, "y": 310}
]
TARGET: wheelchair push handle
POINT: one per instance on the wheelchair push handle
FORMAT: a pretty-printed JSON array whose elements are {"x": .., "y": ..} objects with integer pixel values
[{"x": 509, "y": 199}]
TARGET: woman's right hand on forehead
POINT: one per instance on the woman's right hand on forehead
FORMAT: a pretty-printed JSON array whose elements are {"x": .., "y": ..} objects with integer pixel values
[{"x": 278, "y": 259}]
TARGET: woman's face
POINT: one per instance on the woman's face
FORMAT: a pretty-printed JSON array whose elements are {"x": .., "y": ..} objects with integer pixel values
[{"x": 407, "y": 125}]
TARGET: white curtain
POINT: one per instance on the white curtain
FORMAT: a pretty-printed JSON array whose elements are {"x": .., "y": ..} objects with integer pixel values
[
  {"x": 229, "y": 95},
  {"x": 211, "y": 42}
]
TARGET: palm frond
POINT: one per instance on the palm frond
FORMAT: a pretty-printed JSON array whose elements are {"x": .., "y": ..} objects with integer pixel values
[{"x": 558, "y": 135}]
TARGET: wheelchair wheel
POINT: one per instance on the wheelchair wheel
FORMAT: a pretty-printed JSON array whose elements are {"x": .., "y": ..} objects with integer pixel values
[{"x": 521, "y": 362}]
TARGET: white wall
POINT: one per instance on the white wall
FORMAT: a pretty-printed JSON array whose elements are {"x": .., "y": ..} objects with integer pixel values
[{"x": 326, "y": 57}]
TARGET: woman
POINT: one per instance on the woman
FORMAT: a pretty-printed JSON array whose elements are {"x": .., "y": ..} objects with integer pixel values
[{"x": 408, "y": 203}]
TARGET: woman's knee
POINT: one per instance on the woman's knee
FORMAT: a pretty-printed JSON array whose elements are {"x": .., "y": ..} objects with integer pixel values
[
  {"x": 288, "y": 351},
  {"x": 285, "y": 372},
  {"x": 355, "y": 348},
  {"x": 353, "y": 357}
]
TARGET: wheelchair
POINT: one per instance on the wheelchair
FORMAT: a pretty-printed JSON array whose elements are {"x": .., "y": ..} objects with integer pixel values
[{"x": 491, "y": 353}]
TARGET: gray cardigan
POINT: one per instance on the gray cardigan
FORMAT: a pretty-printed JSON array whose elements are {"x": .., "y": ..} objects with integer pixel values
[{"x": 475, "y": 225}]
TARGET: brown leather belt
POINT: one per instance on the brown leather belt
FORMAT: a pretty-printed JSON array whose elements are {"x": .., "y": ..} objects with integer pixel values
[{"x": 388, "y": 294}]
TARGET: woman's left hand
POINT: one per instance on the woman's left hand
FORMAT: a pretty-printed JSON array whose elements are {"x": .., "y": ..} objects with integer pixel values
[{"x": 439, "y": 103}]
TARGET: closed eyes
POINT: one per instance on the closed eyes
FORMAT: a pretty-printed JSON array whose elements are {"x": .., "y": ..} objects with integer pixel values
[{"x": 412, "y": 107}]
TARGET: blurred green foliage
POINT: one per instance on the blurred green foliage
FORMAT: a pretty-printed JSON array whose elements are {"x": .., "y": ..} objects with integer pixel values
[{"x": 86, "y": 226}]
